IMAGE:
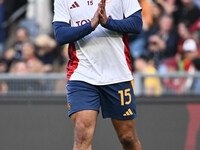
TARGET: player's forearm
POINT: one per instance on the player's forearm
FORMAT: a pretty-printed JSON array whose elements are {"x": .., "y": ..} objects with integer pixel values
[
  {"x": 132, "y": 24},
  {"x": 64, "y": 33}
]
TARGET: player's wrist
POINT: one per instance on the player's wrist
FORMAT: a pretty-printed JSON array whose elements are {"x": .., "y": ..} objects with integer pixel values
[
  {"x": 93, "y": 26},
  {"x": 106, "y": 23}
]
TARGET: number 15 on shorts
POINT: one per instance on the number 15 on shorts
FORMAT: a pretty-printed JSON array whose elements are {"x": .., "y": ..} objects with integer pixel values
[{"x": 123, "y": 94}]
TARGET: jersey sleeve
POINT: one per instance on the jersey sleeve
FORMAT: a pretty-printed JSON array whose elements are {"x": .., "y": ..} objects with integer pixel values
[
  {"x": 130, "y": 7},
  {"x": 61, "y": 12}
]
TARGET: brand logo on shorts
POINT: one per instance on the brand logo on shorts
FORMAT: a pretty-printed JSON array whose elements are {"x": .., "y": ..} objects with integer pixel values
[
  {"x": 69, "y": 106},
  {"x": 128, "y": 113}
]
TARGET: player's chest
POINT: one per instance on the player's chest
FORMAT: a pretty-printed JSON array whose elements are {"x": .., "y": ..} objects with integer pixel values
[{"x": 86, "y": 8}]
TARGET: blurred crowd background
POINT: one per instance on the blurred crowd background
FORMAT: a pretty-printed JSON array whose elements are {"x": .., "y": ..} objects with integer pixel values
[
  {"x": 169, "y": 42},
  {"x": 27, "y": 44}
]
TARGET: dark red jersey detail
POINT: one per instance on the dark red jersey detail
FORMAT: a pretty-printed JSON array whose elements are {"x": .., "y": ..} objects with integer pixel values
[
  {"x": 127, "y": 51},
  {"x": 73, "y": 61}
]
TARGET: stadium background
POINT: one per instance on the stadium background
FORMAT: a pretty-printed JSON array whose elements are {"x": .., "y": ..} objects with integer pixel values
[{"x": 166, "y": 64}]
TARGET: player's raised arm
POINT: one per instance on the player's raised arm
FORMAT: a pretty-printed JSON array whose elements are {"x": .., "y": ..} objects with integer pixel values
[
  {"x": 64, "y": 33},
  {"x": 131, "y": 24}
]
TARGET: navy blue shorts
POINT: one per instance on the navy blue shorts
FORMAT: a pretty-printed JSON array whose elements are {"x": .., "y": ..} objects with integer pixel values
[{"x": 117, "y": 101}]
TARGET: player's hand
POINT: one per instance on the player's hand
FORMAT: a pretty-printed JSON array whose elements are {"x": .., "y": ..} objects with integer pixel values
[
  {"x": 102, "y": 12},
  {"x": 95, "y": 19}
]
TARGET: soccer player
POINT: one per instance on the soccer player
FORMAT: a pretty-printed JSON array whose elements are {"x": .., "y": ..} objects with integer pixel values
[{"x": 99, "y": 68}]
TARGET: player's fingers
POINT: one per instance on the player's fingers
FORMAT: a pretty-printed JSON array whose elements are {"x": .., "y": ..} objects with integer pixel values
[
  {"x": 99, "y": 8},
  {"x": 103, "y": 9},
  {"x": 100, "y": 15},
  {"x": 100, "y": 4},
  {"x": 104, "y": 3},
  {"x": 101, "y": 12}
]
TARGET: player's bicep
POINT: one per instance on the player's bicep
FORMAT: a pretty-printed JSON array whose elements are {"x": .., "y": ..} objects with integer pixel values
[
  {"x": 130, "y": 7},
  {"x": 61, "y": 12}
]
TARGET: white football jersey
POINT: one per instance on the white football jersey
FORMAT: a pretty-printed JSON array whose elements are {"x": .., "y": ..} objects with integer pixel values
[{"x": 103, "y": 56}]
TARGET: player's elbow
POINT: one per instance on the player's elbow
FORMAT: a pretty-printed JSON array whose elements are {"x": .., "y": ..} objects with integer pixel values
[
  {"x": 138, "y": 29},
  {"x": 59, "y": 40},
  {"x": 57, "y": 37},
  {"x": 63, "y": 38},
  {"x": 136, "y": 23},
  {"x": 59, "y": 34},
  {"x": 135, "y": 26}
]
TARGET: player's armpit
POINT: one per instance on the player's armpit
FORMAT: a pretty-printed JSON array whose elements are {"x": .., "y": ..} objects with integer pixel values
[{"x": 64, "y": 33}]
